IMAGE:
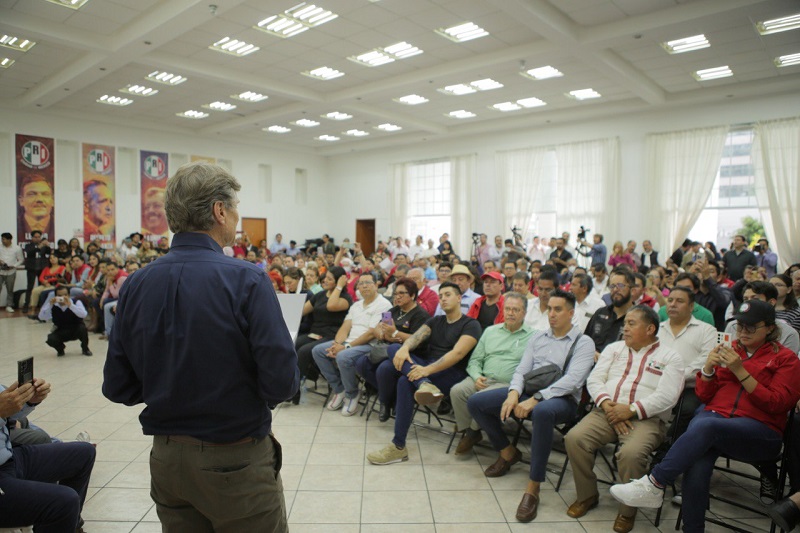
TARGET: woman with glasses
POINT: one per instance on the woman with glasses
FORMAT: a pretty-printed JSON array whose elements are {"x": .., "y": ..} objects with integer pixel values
[{"x": 748, "y": 390}]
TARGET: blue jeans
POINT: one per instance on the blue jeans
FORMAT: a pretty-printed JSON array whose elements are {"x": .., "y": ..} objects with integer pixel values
[
  {"x": 45, "y": 485},
  {"x": 343, "y": 378},
  {"x": 108, "y": 316},
  {"x": 385, "y": 376},
  {"x": 485, "y": 410},
  {"x": 709, "y": 435}
]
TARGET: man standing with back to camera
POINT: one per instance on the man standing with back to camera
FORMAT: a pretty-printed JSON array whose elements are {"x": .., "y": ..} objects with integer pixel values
[{"x": 200, "y": 340}]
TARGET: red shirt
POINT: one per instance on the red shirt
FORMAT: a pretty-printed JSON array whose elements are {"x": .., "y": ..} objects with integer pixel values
[
  {"x": 50, "y": 275},
  {"x": 428, "y": 300},
  {"x": 475, "y": 309}
]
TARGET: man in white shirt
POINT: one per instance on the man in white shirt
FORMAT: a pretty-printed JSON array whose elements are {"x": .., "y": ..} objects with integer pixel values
[
  {"x": 128, "y": 249},
  {"x": 600, "y": 280},
  {"x": 536, "y": 316},
  {"x": 634, "y": 384},
  {"x": 586, "y": 301},
  {"x": 538, "y": 251},
  {"x": 10, "y": 259},
  {"x": 496, "y": 252},
  {"x": 397, "y": 247},
  {"x": 416, "y": 251},
  {"x": 67, "y": 316},
  {"x": 277, "y": 245}
]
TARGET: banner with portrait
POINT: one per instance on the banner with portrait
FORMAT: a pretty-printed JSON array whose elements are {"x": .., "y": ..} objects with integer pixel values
[
  {"x": 154, "y": 170},
  {"x": 35, "y": 158},
  {"x": 99, "y": 210}
]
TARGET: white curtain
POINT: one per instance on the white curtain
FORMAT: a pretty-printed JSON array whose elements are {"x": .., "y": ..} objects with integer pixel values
[
  {"x": 588, "y": 186},
  {"x": 776, "y": 156},
  {"x": 398, "y": 201},
  {"x": 462, "y": 180},
  {"x": 519, "y": 175},
  {"x": 681, "y": 169}
]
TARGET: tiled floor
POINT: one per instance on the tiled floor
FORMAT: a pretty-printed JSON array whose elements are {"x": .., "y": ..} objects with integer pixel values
[{"x": 329, "y": 486}]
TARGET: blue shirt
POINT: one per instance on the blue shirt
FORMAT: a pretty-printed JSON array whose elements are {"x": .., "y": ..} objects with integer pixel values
[
  {"x": 598, "y": 253},
  {"x": 5, "y": 438},
  {"x": 199, "y": 338}
]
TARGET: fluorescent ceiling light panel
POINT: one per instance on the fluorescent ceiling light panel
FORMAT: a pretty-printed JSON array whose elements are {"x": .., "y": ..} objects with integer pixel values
[
  {"x": 250, "y": 96},
  {"x": 388, "y": 127},
  {"x": 531, "y": 102},
  {"x": 786, "y": 61},
  {"x": 411, "y": 99},
  {"x": 16, "y": 43},
  {"x": 506, "y": 106},
  {"x": 583, "y": 94},
  {"x": 220, "y": 106},
  {"x": 463, "y": 32},
  {"x": 114, "y": 100},
  {"x": 460, "y": 89},
  {"x": 336, "y": 115},
  {"x": 191, "y": 113},
  {"x": 323, "y": 73},
  {"x": 73, "y": 4},
  {"x": 306, "y": 123},
  {"x": 542, "y": 73},
  {"x": 460, "y": 114},
  {"x": 277, "y": 129},
  {"x": 139, "y": 90},
  {"x": 687, "y": 44},
  {"x": 295, "y": 20},
  {"x": 234, "y": 47},
  {"x": 6, "y": 62},
  {"x": 713, "y": 73},
  {"x": 356, "y": 133},
  {"x": 381, "y": 56},
  {"x": 166, "y": 78},
  {"x": 778, "y": 25},
  {"x": 329, "y": 138}
]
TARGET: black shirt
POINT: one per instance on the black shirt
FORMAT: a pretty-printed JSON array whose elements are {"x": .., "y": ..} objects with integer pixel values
[
  {"x": 327, "y": 323},
  {"x": 604, "y": 327},
  {"x": 565, "y": 255},
  {"x": 409, "y": 322},
  {"x": 444, "y": 337},
  {"x": 36, "y": 257},
  {"x": 488, "y": 314}
]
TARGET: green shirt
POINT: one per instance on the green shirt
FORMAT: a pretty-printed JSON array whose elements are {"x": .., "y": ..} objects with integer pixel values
[
  {"x": 700, "y": 313},
  {"x": 499, "y": 352}
]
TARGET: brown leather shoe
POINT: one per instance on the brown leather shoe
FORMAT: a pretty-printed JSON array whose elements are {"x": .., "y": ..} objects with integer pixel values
[
  {"x": 578, "y": 509},
  {"x": 501, "y": 467},
  {"x": 470, "y": 439},
  {"x": 623, "y": 524},
  {"x": 527, "y": 507}
]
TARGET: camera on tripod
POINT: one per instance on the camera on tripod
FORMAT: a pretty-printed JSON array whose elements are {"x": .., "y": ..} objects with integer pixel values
[{"x": 582, "y": 233}]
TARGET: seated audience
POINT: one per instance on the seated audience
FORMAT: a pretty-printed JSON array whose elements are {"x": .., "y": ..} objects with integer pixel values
[
  {"x": 605, "y": 326},
  {"x": 509, "y": 269},
  {"x": 766, "y": 292},
  {"x": 47, "y": 281},
  {"x": 67, "y": 316},
  {"x": 108, "y": 301},
  {"x": 586, "y": 301},
  {"x": 560, "y": 252},
  {"x": 536, "y": 316},
  {"x": 461, "y": 276},
  {"x": 691, "y": 282},
  {"x": 639, "y": 295},
  {"x": 599, "y": 279},
  {"x": 619, "y": 256},
  {"x": 563, "y": 345},
  {"x": 519, "y": 284},
  {"x": 488, "y": 309},
  {"x": 426, "y": 298},
  {"x": 786, "y": 307},
  {"x": 293, "y": 281}
]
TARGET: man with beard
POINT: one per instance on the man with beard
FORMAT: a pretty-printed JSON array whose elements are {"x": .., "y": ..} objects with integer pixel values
[{"x": 606, "y": 324}]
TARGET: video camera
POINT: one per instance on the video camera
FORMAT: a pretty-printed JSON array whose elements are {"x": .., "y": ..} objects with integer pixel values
[{"x": 582, "y": 233}]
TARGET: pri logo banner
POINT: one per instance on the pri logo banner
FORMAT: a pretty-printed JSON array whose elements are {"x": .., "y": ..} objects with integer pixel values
[
  {"x": 35, "y": 155},
  {"x": 154, "y": 167},
  {"x": 100, "y": 161}
]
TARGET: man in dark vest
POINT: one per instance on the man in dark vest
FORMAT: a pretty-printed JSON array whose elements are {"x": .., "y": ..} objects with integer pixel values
[{"x": 67, "y": 315}]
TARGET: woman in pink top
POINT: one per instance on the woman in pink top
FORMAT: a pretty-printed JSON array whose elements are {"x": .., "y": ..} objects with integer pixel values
[{"x": 619, "y": 256}]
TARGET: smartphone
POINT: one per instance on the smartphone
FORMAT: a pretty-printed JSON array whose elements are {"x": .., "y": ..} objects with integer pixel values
[
  {"x": 386, "y": 317},
  {"x": 347, "y": 245},
  {"x": 25, "y": 371},
  {"x": 724, "y": 339}
]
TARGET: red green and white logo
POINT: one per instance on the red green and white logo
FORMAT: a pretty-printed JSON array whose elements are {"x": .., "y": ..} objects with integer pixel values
[
  {"x": 154, "y": 167},
  {"x": 100, "y": 161},
  {"x": 35, "y": 154}
]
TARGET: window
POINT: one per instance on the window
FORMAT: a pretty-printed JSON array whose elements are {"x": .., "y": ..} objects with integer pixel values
[
  {"x": 544, "y": 220},
  {"x": 428, "y": 199}
]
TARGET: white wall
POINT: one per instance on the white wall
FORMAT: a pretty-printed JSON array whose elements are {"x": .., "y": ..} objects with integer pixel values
[
  {"x": 283, "y": 213},
  {"x": 361, "y": 180}
]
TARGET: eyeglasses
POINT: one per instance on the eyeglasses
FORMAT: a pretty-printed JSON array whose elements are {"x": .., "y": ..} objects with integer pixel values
[
  {"x": 747, "y": 329},
  {"x": 400, "y": 293},
  {"x": 618, "y": 286}
]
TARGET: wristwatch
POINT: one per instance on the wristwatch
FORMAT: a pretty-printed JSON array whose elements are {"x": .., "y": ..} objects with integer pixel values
[
  {"x": 394, "y": 334},
  {"x": 538, "y": 396},
  {"x": 347, "y": 345}
]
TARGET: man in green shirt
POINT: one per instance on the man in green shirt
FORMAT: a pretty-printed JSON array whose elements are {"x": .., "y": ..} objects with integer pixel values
[{"x": 491, "y": 365}]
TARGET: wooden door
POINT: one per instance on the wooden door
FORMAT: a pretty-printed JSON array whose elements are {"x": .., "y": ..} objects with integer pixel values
[
  {"x": 256, "y": 229},
  {"x": 365, "y": 235}
]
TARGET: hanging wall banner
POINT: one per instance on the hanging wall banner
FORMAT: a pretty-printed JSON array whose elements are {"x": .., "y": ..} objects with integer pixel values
[
  {"x": 212, "y": 160},
  {"x": 35, "y": 197},
  {"x": 99, "y": 213},
  {"x": 154, "y": 172}
]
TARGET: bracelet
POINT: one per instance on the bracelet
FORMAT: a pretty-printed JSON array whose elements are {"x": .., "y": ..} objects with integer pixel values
[
  {"x": 745, "y": 379},
  {"x": 337, "y": 287},
  {"x": 711, "y": 375}
]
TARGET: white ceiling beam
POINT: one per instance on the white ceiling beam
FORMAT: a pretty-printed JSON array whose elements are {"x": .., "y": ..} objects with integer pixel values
[
  {"x": 255, "y": 118},
  {"x": 402, "y": 118},
  {"x": 37, "y": 29}
]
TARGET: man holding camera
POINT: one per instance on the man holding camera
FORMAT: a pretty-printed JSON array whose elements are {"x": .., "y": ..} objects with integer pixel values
[
  {"x": 67, "y": 315},
  {"x": 597, "y": 251}
]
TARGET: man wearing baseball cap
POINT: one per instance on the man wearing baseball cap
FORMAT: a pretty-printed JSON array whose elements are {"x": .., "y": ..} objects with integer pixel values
[
  {"x": 461, "y": 276},
  {"x": 488, "y": 309}
]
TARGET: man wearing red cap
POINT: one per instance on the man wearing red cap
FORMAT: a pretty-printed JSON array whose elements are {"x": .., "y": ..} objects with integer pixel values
[{"x": 488, "y": 309}]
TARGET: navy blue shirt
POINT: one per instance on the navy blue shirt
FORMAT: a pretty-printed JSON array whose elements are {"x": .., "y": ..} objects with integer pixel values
[{"x": 199, "y": 338}]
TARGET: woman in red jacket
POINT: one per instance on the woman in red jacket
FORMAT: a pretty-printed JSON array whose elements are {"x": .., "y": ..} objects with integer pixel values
[
  {"x": 47, "y": 280},
  {"x": 748, "y": 391}
]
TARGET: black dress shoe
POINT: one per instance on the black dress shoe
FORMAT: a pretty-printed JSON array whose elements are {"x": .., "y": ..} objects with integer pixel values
[
  {"x": 785, "y": 514},
  {"x": 296, "y": 398},
  {"x": 385, "y": 413},
  {"x": 60, "y": 353},
  {"x": 87, "y": 352}
]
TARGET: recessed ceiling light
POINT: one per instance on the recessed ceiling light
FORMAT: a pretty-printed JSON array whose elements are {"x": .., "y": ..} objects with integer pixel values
[
  {"x": 295, "y": 20},
  {"x": 687, "y": 44},
  {"x": 336, "y": 115},
  {"x": 459, "y": 89},
  {"x": 306, "y": 123},
  {"x": 381, "y": 56},
  {"x": 191, "y": 113},
  {"x": 506, "y": 106},
  {"x": 16, "y": 43},
  {"x": 713, "y": 73},
  {"x": 463, "y": 32},
  {"x": 388, "y": 127},
  {"x": 323, "y": 73},
  {"x": 531, "y": 102},
  {"x": 356, "y": 133},
  {"x": 6, "y": 62},
  {"x": 583, "y": 94},
  {"x": 411, "y": 99},
  {"x": 114, "y": 100},
  {"x": 777, "y": 25},
  {"x": 219, "y": 106},
  {"x": 460, "y": 114},
  {"x": 786, "y": 61},
  {"x": 329, "y": 138},
  {"x": 277, "y": 129},
  {"x": 74, "y": 4},
  {"x": 542, "y": 73},
  {"x": 166, "y": 78},
  {"x": 250, "y": 96},
  {"x": 234, "y": 47},
  {"x": 138, "y": 90}
]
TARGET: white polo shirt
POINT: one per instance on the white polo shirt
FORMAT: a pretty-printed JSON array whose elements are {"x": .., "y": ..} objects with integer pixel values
[
  {"x": 365, "y": 317},
  {"x": 693, "y": 343}
]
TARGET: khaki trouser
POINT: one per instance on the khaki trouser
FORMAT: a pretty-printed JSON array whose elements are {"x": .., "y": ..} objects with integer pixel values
[
  {"x": 224, "y": 489},
  {"x": 633, "y": 457},
  {"x": 459, "y": 395}
]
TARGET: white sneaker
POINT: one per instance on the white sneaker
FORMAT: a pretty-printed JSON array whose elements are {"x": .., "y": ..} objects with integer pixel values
[
  {"x": 9, "y": 309},
  {"x": 678, "y": 499},
  {"x": 337, "y": 399},
  {"x": 350, "y": 406},
  {"x": 639, "y": 493}
]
